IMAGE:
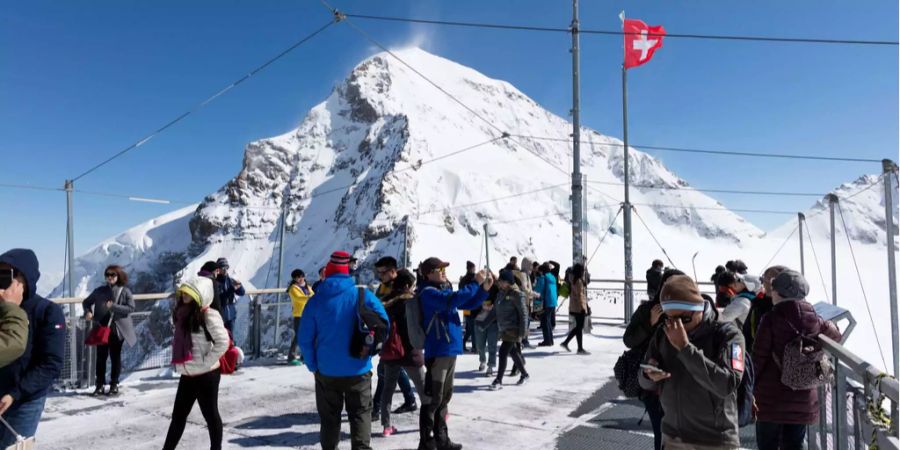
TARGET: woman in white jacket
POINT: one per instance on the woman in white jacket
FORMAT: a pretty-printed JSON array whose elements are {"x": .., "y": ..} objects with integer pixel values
[{"x": 200, "y": 340}]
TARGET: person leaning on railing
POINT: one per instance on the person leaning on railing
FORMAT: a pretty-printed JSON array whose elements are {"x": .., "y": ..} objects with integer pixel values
[{"x": 111, "y": 305}]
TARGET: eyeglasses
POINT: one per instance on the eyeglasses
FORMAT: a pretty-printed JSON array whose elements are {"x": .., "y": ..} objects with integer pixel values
[
  {"x": 687, "y": 318},
  {"x": 112, "y": 275},
  {"x": 440, "y": 270},
  {"x": 381, "y": 271}
]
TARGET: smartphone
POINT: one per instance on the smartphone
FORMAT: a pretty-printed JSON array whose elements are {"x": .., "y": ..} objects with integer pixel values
[
  {"x": 652, "y": 368},
  {"x": 6, "y": 277}
]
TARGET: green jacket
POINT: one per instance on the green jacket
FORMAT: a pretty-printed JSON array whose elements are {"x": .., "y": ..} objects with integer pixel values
[
  {"x": 13, "y": 332},
  {"x": 700, "y": 398}
]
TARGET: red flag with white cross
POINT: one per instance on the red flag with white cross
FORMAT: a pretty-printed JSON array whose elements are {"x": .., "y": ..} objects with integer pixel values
[{"x": 641, "y": 40}]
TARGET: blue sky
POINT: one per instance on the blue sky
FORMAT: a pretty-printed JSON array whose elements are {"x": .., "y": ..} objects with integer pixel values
[{"x": 79, "y": 82}]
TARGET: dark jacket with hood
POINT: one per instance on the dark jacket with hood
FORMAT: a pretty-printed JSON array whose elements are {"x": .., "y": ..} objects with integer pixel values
[
  {"x": 31, "y": 376},
  {"x": 700, "y": 398},
  {"x": 512, "y": 314},
  {"x": 778, "y": 403}
]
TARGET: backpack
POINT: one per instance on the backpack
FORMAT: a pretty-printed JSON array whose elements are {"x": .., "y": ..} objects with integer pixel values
[
  {"x": 228, "y": 362},
  {"x": 804, "y": 364},
  {"x": 393, "y": 348},
  {"x": 415, "y": 322},
  {"x": 745, "y": 399},
  {"x": 370, "y": 330},
  {"x": 626, "y": 371}
]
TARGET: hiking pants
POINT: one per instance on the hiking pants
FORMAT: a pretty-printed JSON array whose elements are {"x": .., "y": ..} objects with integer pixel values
[
  {"x": 331, "y": 395},
  {"x": 439, "y": 373}
]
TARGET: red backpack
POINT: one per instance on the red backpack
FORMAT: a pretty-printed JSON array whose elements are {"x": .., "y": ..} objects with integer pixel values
[{"x": 228, "y": 362}]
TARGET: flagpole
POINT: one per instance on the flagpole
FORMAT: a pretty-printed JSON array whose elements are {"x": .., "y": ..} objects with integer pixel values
[{"x": 629, "y": 286}]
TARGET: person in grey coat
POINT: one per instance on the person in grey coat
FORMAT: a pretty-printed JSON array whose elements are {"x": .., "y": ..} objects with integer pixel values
[
  {"x": 111, "y": 305},
  {"x": 509, "y": 306},
  {"x": 698, "y": 364}
]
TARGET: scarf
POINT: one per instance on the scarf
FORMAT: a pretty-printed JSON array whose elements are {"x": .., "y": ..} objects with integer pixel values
[{"x": 182, "y": 342}]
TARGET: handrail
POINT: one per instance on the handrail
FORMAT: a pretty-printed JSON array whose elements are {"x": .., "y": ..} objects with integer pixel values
[
  {"x": 163, "y": 295},
  {"x": 889, "y": 386},
  {"x": 636, "y": 281}
]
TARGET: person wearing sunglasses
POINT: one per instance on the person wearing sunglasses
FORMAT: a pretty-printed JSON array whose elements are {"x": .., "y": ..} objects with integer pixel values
[
  {"x": 111, "y": 305},
  {"x": 696, "y": 364},
  {"x": 443, "y": 343}
]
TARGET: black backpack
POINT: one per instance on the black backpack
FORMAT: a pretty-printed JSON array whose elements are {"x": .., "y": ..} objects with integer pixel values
[
  {"x": 370, "y": 330},
  {"x": 627, "y": 370}
]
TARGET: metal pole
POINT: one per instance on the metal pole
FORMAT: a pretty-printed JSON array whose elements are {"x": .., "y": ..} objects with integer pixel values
[
  {"x": 629, "y": 294},
  {"x": 70, "y": 250},
  {"x": 406, "y": 241},
  {"x": 577, "y": 186},
  {"x": 890, "y": 169},
  {"x": 832, "y": 203},
  {"x": 284, "y": 209},
  {"x": 487, "y": 248},
  {"x": 800, "y": 219}
]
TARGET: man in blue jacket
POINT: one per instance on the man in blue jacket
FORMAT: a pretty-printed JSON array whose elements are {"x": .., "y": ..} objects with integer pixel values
[
  {"x": 326, "y": 329},
  {"x": 24, "y": 383},
  {"x": 229, "y": 288},
  {"x": 443, "y": 343}
]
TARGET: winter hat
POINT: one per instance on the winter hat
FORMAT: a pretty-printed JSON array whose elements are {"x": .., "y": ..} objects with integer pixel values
[
  {"x": 681, "y": 292},
  {"x": 338, "y": 264},
  {"x": 470, "y": 265},
  {"x": 198, "y": 288},
  {"x": 790, "y": 284},
  {"x": 222, "y": 263},
  {"x": 507, "y": 276},
  {"x": 431, "y": 264}
]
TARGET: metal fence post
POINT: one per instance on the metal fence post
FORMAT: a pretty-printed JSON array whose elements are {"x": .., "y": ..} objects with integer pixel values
[{"x": 257, "y": 327}]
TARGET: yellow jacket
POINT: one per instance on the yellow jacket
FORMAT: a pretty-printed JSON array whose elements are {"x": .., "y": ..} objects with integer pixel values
[{"x": 299, "y": 298}]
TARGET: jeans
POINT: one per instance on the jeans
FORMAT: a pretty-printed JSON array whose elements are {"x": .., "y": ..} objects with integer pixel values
[
  {"x": 510, "y": 348},
  {"x": 292, "y": 353},
  {"x": 393, "y": 371},
  {"x": 331, "y": 395},
  {"x": 204, "y": 389},
  {"x": 486, "y": 341},
  {"x": 548, "y": 323},
  {"x": 24, "y": 418},
  {"x": 470, "y": 330},
  {"x": 113, "y": 350},
  {"x": 783, "y": 436},
  {"x": 577, "y": 332},
  {"x": 527, "y": 330},
  {"x": 409, "y": 396},
  {"x": 439, "y": 373},
  {"x": 229, "y": 315},
  {"x": 655, "y": 411}
]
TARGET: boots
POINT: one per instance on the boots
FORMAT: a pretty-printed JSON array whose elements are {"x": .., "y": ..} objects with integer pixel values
[
  {"x": 98, "y": 391},
  {"x": 113, "y": 389},
  {"x": 442, "y": 439}
]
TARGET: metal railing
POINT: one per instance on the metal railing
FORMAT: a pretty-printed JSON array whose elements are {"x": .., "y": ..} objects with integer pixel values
[
  {"x": 154, "y": 328},
  {"x": 847, "y": 407}
]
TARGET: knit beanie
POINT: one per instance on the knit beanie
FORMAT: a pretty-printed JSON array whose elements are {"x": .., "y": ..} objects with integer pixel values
[
  {"x": 790, "y": 284},
  {"x": 339, "y": 264},
  {"x": 681, "y": 292}
]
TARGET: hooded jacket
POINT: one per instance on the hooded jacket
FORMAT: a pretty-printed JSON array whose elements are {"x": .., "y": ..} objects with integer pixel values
[
  {"x": 700, "y": 398},
  {"x": 440, "y": 308},
  {"x": 205, "y": 352},
  {"x": 31, "y": 376},
  {"x": 326, "y": 327},
  {"x": 511, "y": 314},
  {"x": 778, "y": 403}
]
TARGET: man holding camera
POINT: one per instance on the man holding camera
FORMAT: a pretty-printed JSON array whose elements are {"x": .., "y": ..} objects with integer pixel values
[
  {"x": 696, "y": 364},
  {"x": 443, "y": 343}
]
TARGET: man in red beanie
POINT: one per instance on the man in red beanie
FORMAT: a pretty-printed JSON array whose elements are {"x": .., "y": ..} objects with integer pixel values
[{"x": 326, "y": 329}]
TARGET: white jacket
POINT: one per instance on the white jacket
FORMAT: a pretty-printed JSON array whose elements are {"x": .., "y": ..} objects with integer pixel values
[{"x": 206, "y": 354}]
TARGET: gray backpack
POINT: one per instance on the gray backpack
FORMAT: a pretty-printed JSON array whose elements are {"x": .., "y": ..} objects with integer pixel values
[
  {"x": 804, "y": 364},
  {"x": 415, "y": 322}
]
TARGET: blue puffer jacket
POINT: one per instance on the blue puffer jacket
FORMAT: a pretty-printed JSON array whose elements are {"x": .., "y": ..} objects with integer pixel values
[
  {"x": 31, "y": 376},
  {"x": 444, "y": 338},
  {"x": 327, "y": 326}
]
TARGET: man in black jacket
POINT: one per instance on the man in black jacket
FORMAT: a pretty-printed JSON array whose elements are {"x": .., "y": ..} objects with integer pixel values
[
  {"x": 24, "y": 384},
  {"x": 654, "y": 278}
]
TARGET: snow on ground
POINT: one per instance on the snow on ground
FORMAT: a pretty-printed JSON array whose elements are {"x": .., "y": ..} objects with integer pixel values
[{"x": 273, "y": 406}]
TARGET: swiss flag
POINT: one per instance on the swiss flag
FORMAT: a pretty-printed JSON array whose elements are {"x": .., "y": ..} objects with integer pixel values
[{"x": 641, "y": 41}]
